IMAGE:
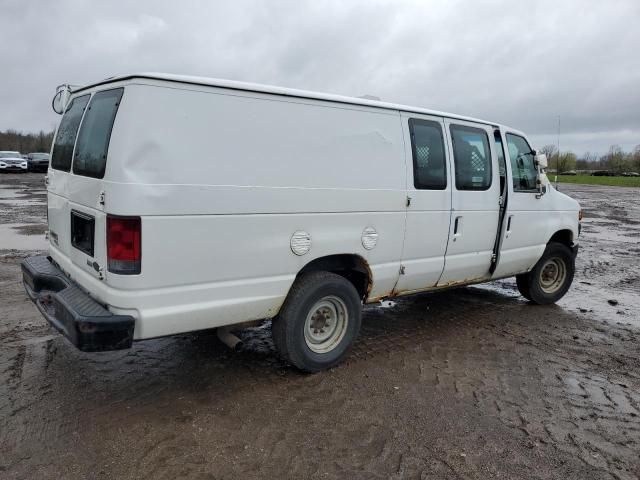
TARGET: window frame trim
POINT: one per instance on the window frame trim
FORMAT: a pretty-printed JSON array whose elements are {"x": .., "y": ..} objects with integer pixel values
[
  {"x": 414, "y": 157},
  {"x": 479, "y": 129}
]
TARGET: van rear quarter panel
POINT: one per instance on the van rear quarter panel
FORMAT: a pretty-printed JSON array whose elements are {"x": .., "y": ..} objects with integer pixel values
[{"x": 222, "y": 179}]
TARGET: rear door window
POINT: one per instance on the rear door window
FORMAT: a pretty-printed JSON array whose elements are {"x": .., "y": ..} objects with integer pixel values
[
  {"x": 472, "y": 157},
  {"x": 90, "y": 156},
  {"x": 66, "y": 137},
  {"x": 429, "y": 163}
]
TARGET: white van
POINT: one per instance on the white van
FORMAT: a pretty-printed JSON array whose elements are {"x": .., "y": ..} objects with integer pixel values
[{"x": 179, "y": 203}]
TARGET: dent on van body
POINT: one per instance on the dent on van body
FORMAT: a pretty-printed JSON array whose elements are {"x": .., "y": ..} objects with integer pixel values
[{"x": 218, "y": 211}]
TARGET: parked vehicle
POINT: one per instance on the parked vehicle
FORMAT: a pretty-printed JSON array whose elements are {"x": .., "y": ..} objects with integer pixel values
[
  {"x": 296, "y": 206},
  {"x": 602, "y": 173},
  {"x": 12, "y": 162},
  {"x": 569, "y": 172},
  {"x": 38, "y": 162},
  {"x": 630, "y": 174}
]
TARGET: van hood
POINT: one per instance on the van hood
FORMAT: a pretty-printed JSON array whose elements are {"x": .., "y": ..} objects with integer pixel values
[{"x": 562, "y": 201}]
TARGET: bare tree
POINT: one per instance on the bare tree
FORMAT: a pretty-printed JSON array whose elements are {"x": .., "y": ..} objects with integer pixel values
[
  {"x": 549, "y": 151},
  {"x": 26, "y": 142},
  {"x": 566, "y": 161},
  {"x": 617, "y": 160},
  {"x": 635, "y": 158},
  {"x": 588, "y": 161}
]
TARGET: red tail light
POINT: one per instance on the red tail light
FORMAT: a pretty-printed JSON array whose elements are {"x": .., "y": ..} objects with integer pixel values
[{"x": 123, "y": 245}]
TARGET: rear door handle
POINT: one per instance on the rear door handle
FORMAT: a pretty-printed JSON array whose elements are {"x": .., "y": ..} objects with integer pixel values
[
  {"x": 457, "y": 228},
  {"x": 508, "y": 232}
]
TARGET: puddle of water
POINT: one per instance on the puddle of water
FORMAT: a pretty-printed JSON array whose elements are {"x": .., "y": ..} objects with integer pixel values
[
  {"x": 12, "y": 239},
  {"x": 22, "y": 203},
  {"x": 11, "y": 193}
]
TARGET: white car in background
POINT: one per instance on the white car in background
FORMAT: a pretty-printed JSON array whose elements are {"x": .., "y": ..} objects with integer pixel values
[{"x": 12, "y": 161}]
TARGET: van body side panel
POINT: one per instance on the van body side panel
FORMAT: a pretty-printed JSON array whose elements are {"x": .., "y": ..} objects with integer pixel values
[{"x": 221, "y": 181}]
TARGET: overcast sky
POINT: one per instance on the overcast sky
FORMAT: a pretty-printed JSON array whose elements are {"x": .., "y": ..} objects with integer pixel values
[{"x": 514, "y": 62}]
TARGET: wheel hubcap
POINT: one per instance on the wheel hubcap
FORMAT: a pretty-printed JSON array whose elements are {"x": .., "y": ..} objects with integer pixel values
[
  {"x": 326, "y": 324},
  {"x": 552, "y": 275}
]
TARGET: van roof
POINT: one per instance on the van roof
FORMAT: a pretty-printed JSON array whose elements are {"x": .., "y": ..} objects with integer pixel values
[{"x": 282, "y": 91}]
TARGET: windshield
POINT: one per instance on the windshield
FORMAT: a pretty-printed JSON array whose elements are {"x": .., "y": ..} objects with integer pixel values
[{"x": 9, "y": 154}]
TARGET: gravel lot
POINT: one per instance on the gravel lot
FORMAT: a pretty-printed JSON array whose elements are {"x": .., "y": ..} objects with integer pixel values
[{"x": 471, "y": 383}]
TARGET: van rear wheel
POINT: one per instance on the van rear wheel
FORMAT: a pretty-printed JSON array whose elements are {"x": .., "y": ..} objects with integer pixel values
[
  {"x": 318, "y": 322},
  {"x": 550, "y": 278}
]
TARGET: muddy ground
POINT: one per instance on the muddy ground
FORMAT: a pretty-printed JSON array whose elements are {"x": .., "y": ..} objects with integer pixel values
[{"x": 471, "y": 383}]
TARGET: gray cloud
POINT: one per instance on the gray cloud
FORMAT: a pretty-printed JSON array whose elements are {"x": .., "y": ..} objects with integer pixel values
[{"x": 522, "y": 64}]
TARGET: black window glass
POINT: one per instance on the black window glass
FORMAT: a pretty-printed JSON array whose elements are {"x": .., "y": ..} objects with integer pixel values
[
  {"x": 429, "y": 162},
  {"x": 66, "y": 137},
  {"x": 90, "y": 157},
  {"x": 523, "y": 168},
  {"x": 472, "y": 157}
]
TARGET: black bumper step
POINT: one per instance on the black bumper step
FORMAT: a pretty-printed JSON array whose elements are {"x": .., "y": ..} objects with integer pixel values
[{"x": 82, "y": 320}]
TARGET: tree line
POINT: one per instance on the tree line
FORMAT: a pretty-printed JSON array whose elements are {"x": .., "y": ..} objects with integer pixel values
[
  {"x": 615, "y": 160},
  {"x": 13, "y": 140}
]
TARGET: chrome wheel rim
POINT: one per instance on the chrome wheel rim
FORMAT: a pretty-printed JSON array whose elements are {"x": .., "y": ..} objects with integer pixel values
[
  {"x": 552, "y": 275},
  {"x": 326, "y": 324}
]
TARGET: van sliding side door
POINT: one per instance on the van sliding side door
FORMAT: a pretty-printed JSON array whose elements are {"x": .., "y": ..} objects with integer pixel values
[
  {"x": 428, "y": 202},
  {"x": 475, "y": 202}
]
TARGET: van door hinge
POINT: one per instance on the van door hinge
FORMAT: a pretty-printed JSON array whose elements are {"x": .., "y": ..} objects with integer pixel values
[
  {"x": 401, "y": 269},
  {"x": 101, "y": 198},
  {"x": 494, "y": 258},
  {"x": 501, "y": 200},
  {"x": 408, "y": 200}
]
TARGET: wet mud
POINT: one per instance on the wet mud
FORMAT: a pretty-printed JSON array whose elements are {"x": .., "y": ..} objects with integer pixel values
[{"x": 469, "y": 383}]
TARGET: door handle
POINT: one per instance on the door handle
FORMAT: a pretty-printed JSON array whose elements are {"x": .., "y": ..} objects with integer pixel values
[
  {"x": 508, "y": 232},
  {"x": 457, "y": 228}
]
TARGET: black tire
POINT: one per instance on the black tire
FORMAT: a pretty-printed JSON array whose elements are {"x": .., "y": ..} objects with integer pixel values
[
  {"x": 292, "y": 335},
  {"x": 522, "y": 281},
  {"x": 550, "y": 278}
]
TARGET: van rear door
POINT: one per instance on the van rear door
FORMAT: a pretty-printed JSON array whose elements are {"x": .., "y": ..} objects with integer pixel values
[{"x": 77, "y": 222}]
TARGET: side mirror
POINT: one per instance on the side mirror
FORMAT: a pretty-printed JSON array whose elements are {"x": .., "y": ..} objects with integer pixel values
[
  {"x": 540, "y": 160},
  {"x": 61, "y": 98}
]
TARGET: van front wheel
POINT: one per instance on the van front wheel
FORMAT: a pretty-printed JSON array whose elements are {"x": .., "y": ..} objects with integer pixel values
[
  {"x": 318, "y": 322},
  {"x": 550, "y": 278}
]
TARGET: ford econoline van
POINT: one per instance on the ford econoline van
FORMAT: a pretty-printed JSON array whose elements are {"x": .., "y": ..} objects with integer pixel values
[{"x": 179, "y": 203}]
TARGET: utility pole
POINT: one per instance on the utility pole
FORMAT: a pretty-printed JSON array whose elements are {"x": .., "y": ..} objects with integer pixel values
[{"x": 558, "y": 157}]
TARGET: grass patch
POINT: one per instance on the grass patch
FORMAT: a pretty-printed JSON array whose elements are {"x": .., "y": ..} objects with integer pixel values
[{"x": 590, "y": 180}]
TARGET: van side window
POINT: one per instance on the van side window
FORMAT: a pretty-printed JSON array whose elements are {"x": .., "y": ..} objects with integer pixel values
[
  {"x": 90, "y": 157},
  {"x": 427, "y": 147},
  {"x": 523, "y": 168},
  {"x": 66, "y": 137},
  {"x": 472, "y": 157}
]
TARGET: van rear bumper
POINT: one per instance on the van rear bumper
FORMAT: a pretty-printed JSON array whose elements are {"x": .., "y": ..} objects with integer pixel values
[{"x": 82, "y": 320}]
